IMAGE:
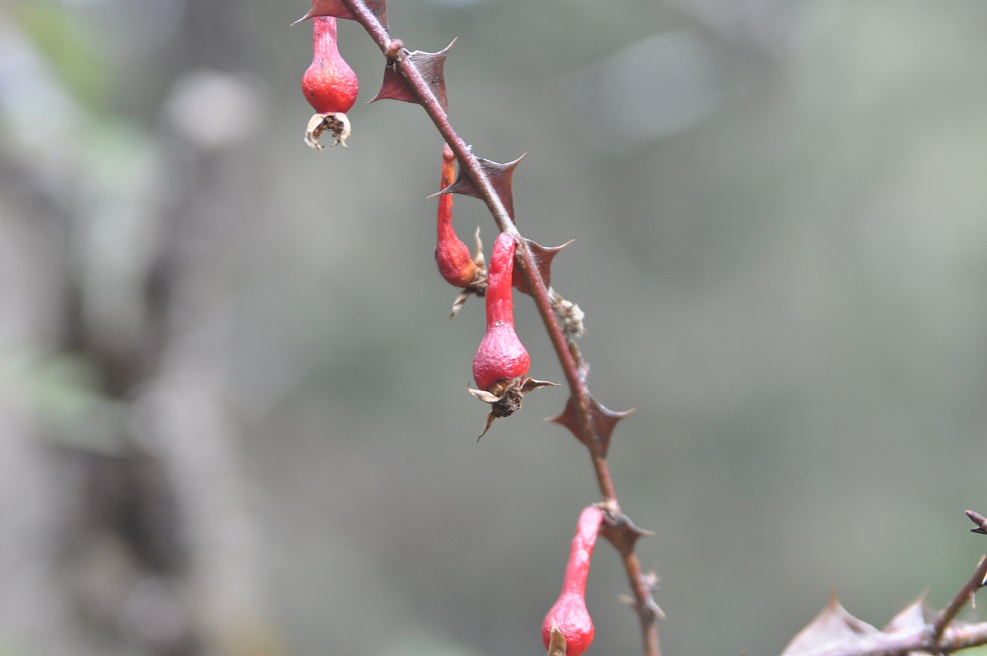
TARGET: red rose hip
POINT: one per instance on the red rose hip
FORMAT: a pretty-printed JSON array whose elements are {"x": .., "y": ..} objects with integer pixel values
[
  {"x": 452, "y": 256},
  {"x": 329, "y": 84},
  {"x": 501, "y": 355},
  {"x": 569, "y": 613}
]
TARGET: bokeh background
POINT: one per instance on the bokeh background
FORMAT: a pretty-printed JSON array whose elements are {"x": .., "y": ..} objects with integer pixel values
[{"x": 233, "y": 417}]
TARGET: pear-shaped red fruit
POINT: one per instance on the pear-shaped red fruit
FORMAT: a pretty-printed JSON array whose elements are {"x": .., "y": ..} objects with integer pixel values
[
  {"x": 329, "y": 85},
  {"x": 569, "y": 613},
  {"x": 501, "y": 355}
]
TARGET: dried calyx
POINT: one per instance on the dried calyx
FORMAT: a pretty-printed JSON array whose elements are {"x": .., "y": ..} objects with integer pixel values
[
  {"x": 501, "y": 363},
  {"x": 456, "y": 265},
  {"x": 329, "y": 85}
]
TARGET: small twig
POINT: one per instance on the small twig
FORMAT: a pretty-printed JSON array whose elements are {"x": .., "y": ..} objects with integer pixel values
[{"x": 961, "y": 599}]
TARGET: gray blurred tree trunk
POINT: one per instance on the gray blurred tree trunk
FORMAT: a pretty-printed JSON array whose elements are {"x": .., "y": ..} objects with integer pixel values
[{"x": 126, "y": 525}]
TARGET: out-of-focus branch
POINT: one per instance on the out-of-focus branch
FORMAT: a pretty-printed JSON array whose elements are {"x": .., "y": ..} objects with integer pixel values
[{"x": 962, "y": 598}]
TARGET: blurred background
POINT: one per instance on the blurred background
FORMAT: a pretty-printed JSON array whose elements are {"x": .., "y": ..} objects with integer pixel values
[{"x": 233, "y": 417}]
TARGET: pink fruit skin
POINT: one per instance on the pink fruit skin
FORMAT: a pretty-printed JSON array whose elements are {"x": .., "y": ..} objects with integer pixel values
[
  {"x": 501, "y": 354},
  {"x": 456, "y": 264},
  {"x": 569, "y": 611},
  {"x": 329, "y": 84},
  {"x": 572, "y": 618}
]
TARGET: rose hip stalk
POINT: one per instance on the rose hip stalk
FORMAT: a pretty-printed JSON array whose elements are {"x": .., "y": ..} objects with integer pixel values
[
  {"x": 501, "y": 363},
  {"x": 569, "y": 614},
  {"x": 456, "y": 265},
  {"x": 329, "y": 85}
]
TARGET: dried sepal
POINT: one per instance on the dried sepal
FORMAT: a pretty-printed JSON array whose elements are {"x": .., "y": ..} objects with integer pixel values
[
  {"x": 430, "y": 65},
  {"x": 505, "y": 397},
  {"x": 503, "y": 404},
  {"x": 500, "y": 176},
  {"x": 460, "y": 301},
  {"x": 602, "y": 419},
  {"x": 478, "y": 255},
  {"x": 338, "y": 9},
  {"x": 556, "y": 641},
  {"x": 530, "y": 384},
  {"x": 483, "y": 395},
  {"x": 335, "y": 122},
  {"x": 479, "y": 286}
]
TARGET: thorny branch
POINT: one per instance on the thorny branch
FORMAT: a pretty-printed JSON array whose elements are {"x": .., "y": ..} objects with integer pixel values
[
  {"x": 584, "y": 416},
  {"x": 417, "y": 77},
  {"x": 964, "y": 596},
  {"x": 915, "y": 640},
  {"x": 837, "y": 633}
]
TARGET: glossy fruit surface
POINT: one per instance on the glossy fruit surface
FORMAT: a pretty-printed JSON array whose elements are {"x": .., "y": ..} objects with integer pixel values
[
  {"x": 569, "y": 612},
  {"x": 453, "y": 257},
  {"x": 501, "y": 354},
  {"x": 329, "y": 84}
]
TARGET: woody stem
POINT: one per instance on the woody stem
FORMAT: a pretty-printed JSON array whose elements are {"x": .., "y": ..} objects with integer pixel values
[{"x": 529, "y": 271}]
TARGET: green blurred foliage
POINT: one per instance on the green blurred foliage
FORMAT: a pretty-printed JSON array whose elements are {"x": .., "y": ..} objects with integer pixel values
[{"x": 70, "y": 46}]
